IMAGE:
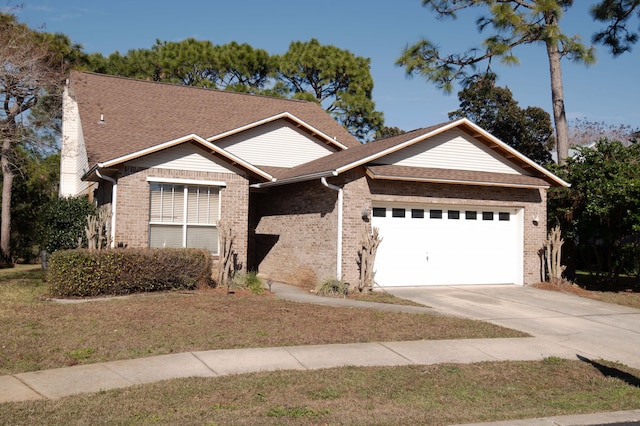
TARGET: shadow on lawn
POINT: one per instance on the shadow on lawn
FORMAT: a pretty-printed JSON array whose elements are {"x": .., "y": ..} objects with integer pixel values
[{"x": 606, "y": 371}]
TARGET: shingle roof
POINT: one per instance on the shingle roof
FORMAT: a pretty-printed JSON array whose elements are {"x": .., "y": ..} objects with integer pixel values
[
  {"x": 352, "y": 155},
  {"x": 140, "y": 114},
  {"x": 368, "y": 154},
  {"x": 454, "y": 176}
]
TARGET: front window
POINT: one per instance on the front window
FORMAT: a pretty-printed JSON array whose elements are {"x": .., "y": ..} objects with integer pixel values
[{"x": 184, "y": 216}]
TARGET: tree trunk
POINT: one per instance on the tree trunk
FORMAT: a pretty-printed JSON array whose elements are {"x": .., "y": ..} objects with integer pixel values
[
  {"x": 7, "y": 186},
  {"x": 557, "y": 95}
]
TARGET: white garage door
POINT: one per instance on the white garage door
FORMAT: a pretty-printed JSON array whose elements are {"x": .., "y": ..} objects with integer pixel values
[{"x": 446, "y": 245}]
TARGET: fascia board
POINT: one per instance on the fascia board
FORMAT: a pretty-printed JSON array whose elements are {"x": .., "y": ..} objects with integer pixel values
[
  {"x": 192, "y": 137},
  {"x": 510, "y": 150},
  {"x": 303, "y": 178}
]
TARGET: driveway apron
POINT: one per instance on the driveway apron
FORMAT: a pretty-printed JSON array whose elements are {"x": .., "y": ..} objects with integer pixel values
[{"x": 593, "y": 329}]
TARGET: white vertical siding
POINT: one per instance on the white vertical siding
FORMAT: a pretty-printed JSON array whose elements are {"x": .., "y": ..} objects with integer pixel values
[
  {"x": 278, "y": 144},
  {"x": 452, "y": 149},
  {"x": 185, "y": 156},
  {"x": 73, "y": 155}
]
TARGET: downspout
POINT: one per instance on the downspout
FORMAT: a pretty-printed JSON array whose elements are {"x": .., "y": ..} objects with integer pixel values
[
  {"x": 114, "y": 193},
  {"x": 340, "y": 208}
]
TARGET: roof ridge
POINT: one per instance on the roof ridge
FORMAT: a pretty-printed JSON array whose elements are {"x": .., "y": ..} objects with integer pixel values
[{"x": 187, "y": 87}]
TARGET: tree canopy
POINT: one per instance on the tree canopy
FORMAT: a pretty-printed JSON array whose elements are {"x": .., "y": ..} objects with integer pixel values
[
  {"x": 335, "y": 78},
  {"x": 493, "y": 108},
  {"x": 600, "y": 212},
  {"x": 31, "y": 75},
  {"x": 617, "y": 14},
  {"x": 514, "y": 23}
]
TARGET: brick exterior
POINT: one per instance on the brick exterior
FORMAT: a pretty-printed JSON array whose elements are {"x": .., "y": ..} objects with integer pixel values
[
  {"x": 288, "y": 233},
  {"x": 297, "y": 224},
  {"x": 132, "y": 203},
  {"x": 295, "y": 232}
]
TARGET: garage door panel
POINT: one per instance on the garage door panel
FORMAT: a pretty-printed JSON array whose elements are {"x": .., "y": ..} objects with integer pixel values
[{"x": 443, "y": 249}]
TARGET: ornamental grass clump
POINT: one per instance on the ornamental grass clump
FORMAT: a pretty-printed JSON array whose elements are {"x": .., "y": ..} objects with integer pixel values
[
  {"x": 332, "y": 287},
  {"x": 247, "y": 280}
]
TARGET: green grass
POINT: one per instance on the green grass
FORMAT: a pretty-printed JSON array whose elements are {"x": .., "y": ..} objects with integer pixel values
[{"x": 433, "y": 395}]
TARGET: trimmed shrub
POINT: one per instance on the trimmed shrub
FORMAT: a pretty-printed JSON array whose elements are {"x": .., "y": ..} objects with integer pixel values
[
  {"x": 62, "y": 222},
  {"x": 85, "y": 273}
]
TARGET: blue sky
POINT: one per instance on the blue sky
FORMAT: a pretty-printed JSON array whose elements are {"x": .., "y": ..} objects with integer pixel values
[{"x": 608, "y": 91}]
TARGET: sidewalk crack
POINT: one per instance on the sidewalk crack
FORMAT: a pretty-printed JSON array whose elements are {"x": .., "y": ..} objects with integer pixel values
[
  {"x": 29, "y": 386},
  {"x": 397, "y": 353},
  {"x": 204, "y": 363}
]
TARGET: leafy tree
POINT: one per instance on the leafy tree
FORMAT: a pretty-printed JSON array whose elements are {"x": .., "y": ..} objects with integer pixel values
[
  {"x": 34, "y": 187},
  {"x": 617, "y": 13},
  {"x": 337, "y": 79},
  {"x": 188, "y": 62},
  {"x": 493, "y": 108},
  {"x": 63, "y": 222},
  {"x": 233, "y": 66},
  {"x": 515, "y": 23},
  {"x": 30, "y": 77},
  {"x": 241, "y": 68},
  {"x": 600, "y": 212}
]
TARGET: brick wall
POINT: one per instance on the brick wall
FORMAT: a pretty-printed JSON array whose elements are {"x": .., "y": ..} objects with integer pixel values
[
  {"x": 132, "y": 204},
  {"x": 295, "y": 233},
  {"x": 296, "y": 225}
]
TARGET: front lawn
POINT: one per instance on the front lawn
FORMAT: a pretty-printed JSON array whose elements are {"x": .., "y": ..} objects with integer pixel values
[
  {"x": 412, "y": 395},
  {"x": 39, "y": 334}
]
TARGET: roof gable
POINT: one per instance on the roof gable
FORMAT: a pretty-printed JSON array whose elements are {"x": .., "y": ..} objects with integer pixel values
[
  {"x": 453, "y": 149},
  {"x": 120, "y": 115},
  {"x": 478, "y": 141},
  {"x": 185, "y": 156},
  {"x": 280, "y": 143},
  {"x": 210, "y": 148}
]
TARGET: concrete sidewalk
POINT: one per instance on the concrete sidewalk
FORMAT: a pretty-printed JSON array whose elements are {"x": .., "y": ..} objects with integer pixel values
[
  {"x": 61, "y": 382},
  {"x": 58, "y": 383}
]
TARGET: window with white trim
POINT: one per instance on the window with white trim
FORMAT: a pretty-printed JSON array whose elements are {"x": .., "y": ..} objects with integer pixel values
[{"x": 184, "y": 216}]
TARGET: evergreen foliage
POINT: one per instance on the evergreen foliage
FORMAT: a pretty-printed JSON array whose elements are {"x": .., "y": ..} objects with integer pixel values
[
  {"x": 600, "y": 212},
  {"x": 63, "y": 222}
]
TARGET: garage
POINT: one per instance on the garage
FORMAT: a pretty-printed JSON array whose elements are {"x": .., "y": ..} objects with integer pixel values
[{"x": 448, "y": 245}]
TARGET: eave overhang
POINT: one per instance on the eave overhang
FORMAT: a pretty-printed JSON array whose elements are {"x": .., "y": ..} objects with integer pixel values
[
  {"x": 113, "y": 164},
  {"x": 456, "y": 177}
]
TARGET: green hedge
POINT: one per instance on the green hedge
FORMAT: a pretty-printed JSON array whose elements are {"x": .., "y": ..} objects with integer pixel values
[{"x": 84, "y": 273}]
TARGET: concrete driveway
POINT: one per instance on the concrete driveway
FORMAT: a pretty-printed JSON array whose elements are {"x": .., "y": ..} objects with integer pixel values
[{"x": 593, "y": 329}]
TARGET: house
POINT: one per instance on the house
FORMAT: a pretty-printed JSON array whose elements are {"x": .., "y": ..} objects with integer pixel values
[{"x": 453, "y": 204}]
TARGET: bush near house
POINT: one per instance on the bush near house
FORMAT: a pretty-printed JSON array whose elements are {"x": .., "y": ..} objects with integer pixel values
[{"x": 90, "y": 273}]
